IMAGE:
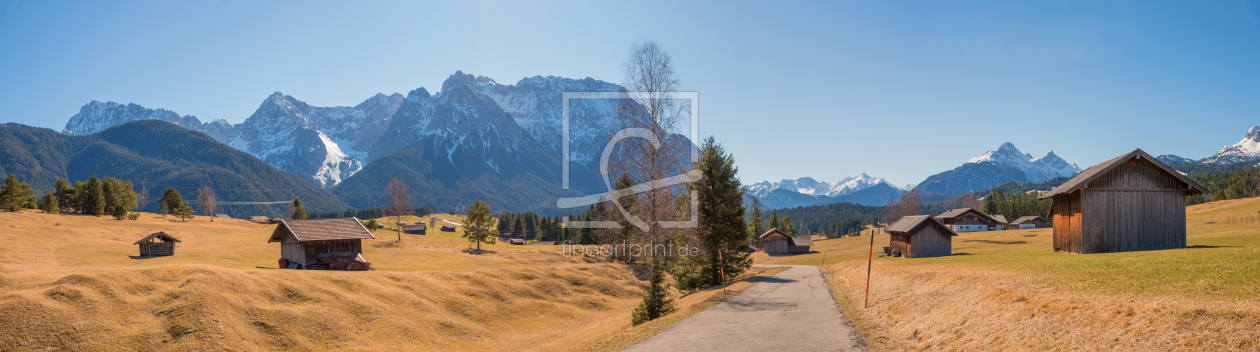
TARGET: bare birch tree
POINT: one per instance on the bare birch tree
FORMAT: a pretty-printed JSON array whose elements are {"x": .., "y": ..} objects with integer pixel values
[
  {"x": 399, "y": 203},
  {"x": 653, "y": 117},
  {"x": 206, "y": 202},
  {"x": 142, "y": 199}
]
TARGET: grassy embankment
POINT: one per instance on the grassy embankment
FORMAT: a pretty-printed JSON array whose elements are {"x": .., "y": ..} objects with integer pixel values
[
  {"x": 73, "y": 282},
  {"x": 1009, "y": 291}
]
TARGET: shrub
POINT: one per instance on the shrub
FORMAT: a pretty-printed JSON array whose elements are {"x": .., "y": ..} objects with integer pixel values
[
  {"x": 370, "y": 224},
  {"x": 133, "y": 216}
]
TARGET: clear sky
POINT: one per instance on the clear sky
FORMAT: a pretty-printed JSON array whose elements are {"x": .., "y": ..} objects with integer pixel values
[{"x": 901, "y": 90}]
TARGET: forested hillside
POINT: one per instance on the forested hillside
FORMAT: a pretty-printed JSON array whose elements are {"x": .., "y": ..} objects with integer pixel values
[{"x": 161, "y": 155}]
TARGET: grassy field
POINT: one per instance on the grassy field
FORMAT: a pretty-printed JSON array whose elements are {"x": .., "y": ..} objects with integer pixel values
[
  {"x": 73, "y": 282},
  {"x": 1008, "y": 290}
]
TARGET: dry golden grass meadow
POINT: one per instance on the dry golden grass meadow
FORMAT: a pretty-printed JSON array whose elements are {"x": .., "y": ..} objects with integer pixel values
[
  {"x": 1008, "y": 291},
  {"x": 73, "y": 282}
]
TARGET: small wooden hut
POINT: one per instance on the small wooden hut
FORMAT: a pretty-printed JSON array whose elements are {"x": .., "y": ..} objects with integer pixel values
[
  {"x": 920, "y": 236},
  {"x": 1131, "y": 203},
  {"x": 448, "y": 228},
  {"x": 157, "y": 245},
  {"x": 1029, "y": 222},
  {"x": 777, "y": 242},
  {"x": 415, "y": 229},
  {"x": 302, "y": 241}
]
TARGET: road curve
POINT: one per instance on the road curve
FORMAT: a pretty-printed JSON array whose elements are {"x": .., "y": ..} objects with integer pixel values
[{"x": 790, "y": 311}]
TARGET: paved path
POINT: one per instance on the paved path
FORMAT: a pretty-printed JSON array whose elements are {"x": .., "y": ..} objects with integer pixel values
[{"x": 790, "y": 311}]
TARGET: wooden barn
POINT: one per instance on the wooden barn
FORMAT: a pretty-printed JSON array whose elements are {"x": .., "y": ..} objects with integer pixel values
[
  {"x": 777, "y": 242},
  {"x": 415, "y": 229},
  {"x": 969, "y": 220},
  {"x": 302, "y": 241},
  {"x": 1131, "y": 203},
  {"x": 448, "y": 228},
  {"x": 920, "y": 236},
  {"x": 157, "y": 245},
  {"x": 1029, "y": 222}
]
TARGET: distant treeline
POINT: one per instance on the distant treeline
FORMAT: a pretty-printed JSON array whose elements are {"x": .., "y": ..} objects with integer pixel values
[
  {"x": 1232, "y": 184},
  {"x": 532, "y": 227}
]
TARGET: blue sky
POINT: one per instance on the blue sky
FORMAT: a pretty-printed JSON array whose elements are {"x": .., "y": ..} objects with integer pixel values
[{"x": 901, "y": 90}]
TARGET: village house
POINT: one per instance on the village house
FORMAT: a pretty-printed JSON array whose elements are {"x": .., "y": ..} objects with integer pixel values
[
  {"x": 1029, "y": 222},
  {"x": 1130, "y": 203},
  {"x": 1001, "y": 219},
  {"x": 157, "y": 245},
  {"x": 303, "y": 241},
  {"x": 969, "y": 220},
  {"x": 777, "y": 242},
  {"x": 920, "y": 236}
]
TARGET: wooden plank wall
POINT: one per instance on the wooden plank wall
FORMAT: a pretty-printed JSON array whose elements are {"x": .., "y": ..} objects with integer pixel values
[
  {"x": 930, "y": 241},
  {"x": 1134, "y": 207},
  {"x": 294, "y": 252},
  {"x": 898, "y": 242},
  {"x": 776, "y": 245}
]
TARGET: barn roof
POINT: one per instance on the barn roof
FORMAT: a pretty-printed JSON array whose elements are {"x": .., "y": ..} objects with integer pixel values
[
  {"x": 958, "y": 212},
  {"x": 774, "y": 230},
  {"x": 803, "y": 241},
  {"x": 1027, "y": 218},
  {"x": 322, "y": 230},
  {"x": 416, "y": 226},
  {"x": 162, "y": 235},
  {"x": 909, "y": 223},
  {"x": 999, "y": 218},
  {"x": 1083, "y": 178}
]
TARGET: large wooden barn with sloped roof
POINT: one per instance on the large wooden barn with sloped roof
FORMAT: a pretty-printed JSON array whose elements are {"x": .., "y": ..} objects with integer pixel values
[
  {"x": 1131, "y": 203},
  {"x": 920, "y": 236},
  {"x": 302, "y": 241}
]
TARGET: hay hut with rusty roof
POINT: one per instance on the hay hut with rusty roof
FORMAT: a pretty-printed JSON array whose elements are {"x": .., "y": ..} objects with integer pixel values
[
  {"x": 1130, "y": 203},
  {"x": 920, "y": 236},
  {"x": 777, "y": 242},
  {"x": 302, "y": 241},
  {"x": 157, "y": 245}
]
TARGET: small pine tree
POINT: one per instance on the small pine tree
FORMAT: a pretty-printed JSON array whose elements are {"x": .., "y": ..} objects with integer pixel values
[
  {"x": 119, "y": 212},
  {"x": 184, "y": 211},
  {"x": 49, "y": 203},
  {"x": 656, "y": 301},
  {"x": 299, "y": 213}
]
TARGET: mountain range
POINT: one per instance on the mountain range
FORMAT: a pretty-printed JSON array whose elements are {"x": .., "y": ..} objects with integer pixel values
[
  {"x": 993, "y": 168},
  {"x": 473, "y": 139},
  {"x": 1246, "y": 150},
  {"x": 161, "y": 155},
  {"x": 861, "y": 189}
]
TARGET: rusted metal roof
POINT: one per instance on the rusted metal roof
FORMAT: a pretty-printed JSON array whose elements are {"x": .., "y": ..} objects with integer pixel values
[
  {"x": 162, "y": 235},
  {"x": 907, "y": 224},
  {"x": 322, "y": 230},
  {"x": 1083, "y": 178}
]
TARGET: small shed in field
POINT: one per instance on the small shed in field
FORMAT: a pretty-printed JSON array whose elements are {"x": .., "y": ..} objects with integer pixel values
[
  {"x": 302, "y": 241},
  {"x": 260, "y": 219},
  {"x": 920, "y": 236},
  {"x": 777, "y": 242},
  {"x": 1130, "y": 203},
  {"x": 415, "y": 229},
  {"x": 157, "y": 245},
  {"x": 448, "y": 228},
  {"x": 1029, "y": 222}
]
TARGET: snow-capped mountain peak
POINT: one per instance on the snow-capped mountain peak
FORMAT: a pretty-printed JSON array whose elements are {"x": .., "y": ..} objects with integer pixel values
[
  {"x": 854, "y": 184},
  {"x": 810, "y": 186},
  {"x": 1037, "y": 170},
  {"x": 1245, "y": 150}
]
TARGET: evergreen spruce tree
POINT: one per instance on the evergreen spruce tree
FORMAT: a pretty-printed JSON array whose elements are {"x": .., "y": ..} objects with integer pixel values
[
  {"x": 722, "y": 235},
  {"x": 786, "y": 222},
  {"x": 757, "y": 219},
  {"x": 15, "y": 195},
  {"x": 299, "y": 213},
  {"x": 518, "y": 229},
  {"x": 49, "y": 203},
  {"x": 774, "y": 220},
  {"x": 64, "y": 193},
  {"x": 656, "y": 302},
  {"x": 94, "y": 197}
]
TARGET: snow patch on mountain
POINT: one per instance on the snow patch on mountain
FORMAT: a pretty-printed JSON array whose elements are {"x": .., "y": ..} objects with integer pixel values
[
  {"x": 854, "y": 184},
  {"x": 812, "y": 187}
]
